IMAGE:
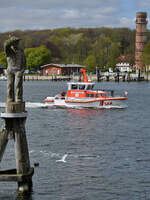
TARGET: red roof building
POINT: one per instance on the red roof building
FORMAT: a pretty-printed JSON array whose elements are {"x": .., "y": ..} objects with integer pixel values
[{"x": 60, "y": 69}]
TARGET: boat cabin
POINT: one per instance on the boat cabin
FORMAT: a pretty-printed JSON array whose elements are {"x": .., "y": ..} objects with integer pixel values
[{"x": 84, "y": 90}]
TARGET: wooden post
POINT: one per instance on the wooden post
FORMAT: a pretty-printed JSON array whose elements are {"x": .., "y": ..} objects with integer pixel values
[
  {"x": 98, "y": 75},
  {"x": 139, "y": 75},
  {"x": 22, "y": 155},
  {"x": 107, "y": 78},
  {"x": 3, "y": 139},
  {"x": 15, "y": 118},
  {"x": 123, "y": 78}
]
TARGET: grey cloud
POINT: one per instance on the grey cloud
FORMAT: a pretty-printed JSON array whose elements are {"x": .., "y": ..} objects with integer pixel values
[
  {"x": 48, "y": 4},
  {"x": 49, "y": 14}
]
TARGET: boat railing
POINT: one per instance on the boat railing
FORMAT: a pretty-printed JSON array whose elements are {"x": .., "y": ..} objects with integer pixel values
[
  {"x": 57, "y": 96},
  {"x": 110, "y": 91}
]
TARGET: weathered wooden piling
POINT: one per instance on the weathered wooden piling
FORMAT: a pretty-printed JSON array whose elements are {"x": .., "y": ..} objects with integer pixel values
[
  {"x": 98, "y": 75},
  {"x": 13, "y": 126},
  {"x": 123, "y": 78},
  {"x": 107, "y": 78}
]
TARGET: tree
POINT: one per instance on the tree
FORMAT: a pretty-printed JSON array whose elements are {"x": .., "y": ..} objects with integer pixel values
[
  {"x": 101, "y": 49},
  {"x": 70, "y": 43},
  {"x": 113, "y": 56},
  {"x": 82, "y": 48},
  {"x": 37, "y": 57},
  {"x": 60, "y": 47},
  {"x": 146, "y": 55},
  {"x": 3, "y": 60},
  {"x": 90, "y": 63}
]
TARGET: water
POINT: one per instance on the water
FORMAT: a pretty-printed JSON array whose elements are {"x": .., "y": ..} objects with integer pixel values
[{"x": 108, "y": 151}]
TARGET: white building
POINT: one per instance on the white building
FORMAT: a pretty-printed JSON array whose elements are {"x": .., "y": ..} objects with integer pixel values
[{"x": 124, "y": 67}]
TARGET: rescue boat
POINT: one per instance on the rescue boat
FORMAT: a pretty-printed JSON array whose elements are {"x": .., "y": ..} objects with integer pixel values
[{"x": 82, "y": 94}]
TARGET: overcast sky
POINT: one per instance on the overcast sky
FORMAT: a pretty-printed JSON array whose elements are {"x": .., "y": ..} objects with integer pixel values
[{"x": 50, "y": 14}]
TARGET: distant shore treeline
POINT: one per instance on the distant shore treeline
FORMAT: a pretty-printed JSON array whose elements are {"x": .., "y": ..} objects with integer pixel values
[{"x": 101, "y": 47}]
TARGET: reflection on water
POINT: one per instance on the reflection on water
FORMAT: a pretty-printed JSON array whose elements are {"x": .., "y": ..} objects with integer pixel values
[
  {"x": 25, "y": 197},
  {"x": 84, "y": 112}
]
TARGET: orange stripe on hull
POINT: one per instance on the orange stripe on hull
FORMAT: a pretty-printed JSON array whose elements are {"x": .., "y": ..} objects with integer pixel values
[{"x": 110, "y": 99}]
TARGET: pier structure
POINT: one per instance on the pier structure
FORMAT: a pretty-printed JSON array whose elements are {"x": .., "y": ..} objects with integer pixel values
[
  {"x": 13, "y": 124},
  {"x": 141, "y": 39}
]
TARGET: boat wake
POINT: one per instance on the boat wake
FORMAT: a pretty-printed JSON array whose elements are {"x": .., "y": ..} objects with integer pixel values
[
  {"x": 2, "y": 105},
  {"x": 36, "y": 105},
  {"x": 117, "y": 107},
  {"x": 29, "y": 105}
]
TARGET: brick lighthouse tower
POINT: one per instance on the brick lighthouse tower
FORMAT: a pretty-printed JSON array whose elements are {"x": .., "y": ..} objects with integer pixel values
[{"x": 141, "y": 38}]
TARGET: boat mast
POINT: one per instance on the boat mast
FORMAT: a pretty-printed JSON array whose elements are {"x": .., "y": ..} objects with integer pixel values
[{"x": 83, "y": 71}]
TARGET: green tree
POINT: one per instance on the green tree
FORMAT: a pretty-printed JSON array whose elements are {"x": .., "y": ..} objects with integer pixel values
[
  {"x": 60, "y": 47},
  {"x": 82, "y": 49},
  {"x": 146, "y": 55},
  {"x": 113, "y": 56},
  {"x": 37, "y": 57},
  {"x": 70, "y": 43},
  {"x": 3, "y": 60},
  {"x": 90, "y": 63},
  {"x": 101, "y": 49}
]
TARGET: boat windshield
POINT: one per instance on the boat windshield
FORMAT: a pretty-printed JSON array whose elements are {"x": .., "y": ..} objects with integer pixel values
[
  {"x": 81, "y": 86},
  {"x": 90, "y": 87},
  {"x": 74, "y": 87}
]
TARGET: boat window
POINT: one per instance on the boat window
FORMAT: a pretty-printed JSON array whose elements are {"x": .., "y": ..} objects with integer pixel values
[
  {"x": 87, "y": 95},
  {"x": 90, "y": 87},
  {"x": 103, "y": 95},
  {"x": 81, "y": 87},
  {"x": 74, "y": 87},
  {"x": 91, "y": 95},
  {"x": 96, "y": 95}
]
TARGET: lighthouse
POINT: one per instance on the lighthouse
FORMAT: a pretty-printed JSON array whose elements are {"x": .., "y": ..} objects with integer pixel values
[{"x": 141, "y": 39}]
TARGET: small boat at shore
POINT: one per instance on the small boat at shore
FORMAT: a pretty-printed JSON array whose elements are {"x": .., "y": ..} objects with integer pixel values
[{"x": 81, "y": 94}]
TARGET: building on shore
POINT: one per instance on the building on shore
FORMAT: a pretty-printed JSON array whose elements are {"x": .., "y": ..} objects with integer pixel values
[
  {"x": 141, "y": 38},
  {"x": 124, "y": 67},
  {"x": 60, "y": 69}
]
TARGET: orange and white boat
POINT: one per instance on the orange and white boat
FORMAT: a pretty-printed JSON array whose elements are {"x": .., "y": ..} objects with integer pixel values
[{"x": 82, "y": 94}]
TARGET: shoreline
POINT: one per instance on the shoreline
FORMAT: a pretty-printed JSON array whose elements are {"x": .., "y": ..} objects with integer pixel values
[{"x": 76, "y": 78}]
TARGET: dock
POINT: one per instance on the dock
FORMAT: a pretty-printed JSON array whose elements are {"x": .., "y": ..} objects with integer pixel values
[{"x": 120, "y": 78}]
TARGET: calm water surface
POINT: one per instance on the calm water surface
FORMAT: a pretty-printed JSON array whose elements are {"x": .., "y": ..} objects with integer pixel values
[{"x": 108, "y": 151}]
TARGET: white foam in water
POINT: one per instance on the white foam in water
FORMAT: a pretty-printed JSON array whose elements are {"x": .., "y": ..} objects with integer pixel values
[
  {"x": 29, "y": 105},
  {"x": 49, "y": 154},
  {"x": 117, "y": 106},
  {"x": 35, "y": 105}
]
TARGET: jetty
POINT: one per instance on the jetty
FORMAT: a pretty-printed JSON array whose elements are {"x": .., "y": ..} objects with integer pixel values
[{"x": 93, "y": 77}]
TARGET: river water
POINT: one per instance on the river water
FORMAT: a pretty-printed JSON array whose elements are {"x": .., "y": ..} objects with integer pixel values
[{"x": 107, "y": 151}]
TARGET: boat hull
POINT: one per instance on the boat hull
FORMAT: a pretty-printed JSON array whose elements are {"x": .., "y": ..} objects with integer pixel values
[{"x": 96, "y": 103}]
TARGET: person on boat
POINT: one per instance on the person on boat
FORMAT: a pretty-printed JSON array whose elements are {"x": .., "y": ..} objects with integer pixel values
[{"x": 63, "y": 95}]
